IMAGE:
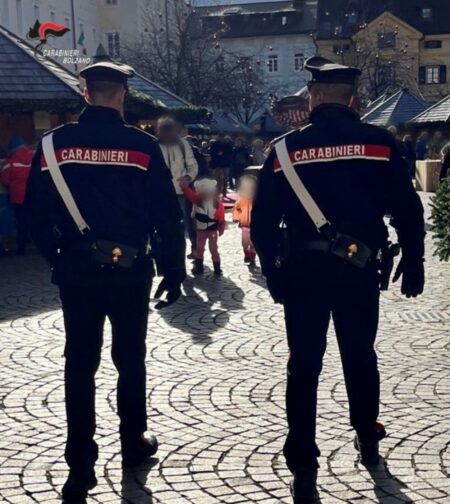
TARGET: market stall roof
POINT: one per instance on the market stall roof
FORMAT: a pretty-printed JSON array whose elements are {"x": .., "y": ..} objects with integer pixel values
[
  {"x": 439, "y": 112},
  {"x": 28, "y": 76},
  {"x": 271, "y": 126},
  {"x": 227, "y": 124},
  {"x": 159, "y": 94},
  {"x": 373, "y": 104},
  {"x": 395, "y": 110},
  {"x": 30, "y": 81}
]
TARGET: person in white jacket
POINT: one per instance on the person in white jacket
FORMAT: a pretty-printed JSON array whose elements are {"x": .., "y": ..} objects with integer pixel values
[{"x": 181, "y": 162}]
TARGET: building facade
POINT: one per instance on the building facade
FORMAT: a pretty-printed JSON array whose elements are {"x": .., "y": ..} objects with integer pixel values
[
  {"x": 114, "y": 23},
  {"x": 398, "y": 42},
  {"x": 80, "y": 16},
  {"x": 275, "y": 36}
]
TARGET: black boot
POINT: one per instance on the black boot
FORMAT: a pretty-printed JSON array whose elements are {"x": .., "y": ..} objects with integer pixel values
[
  {"x": 217, "y": 269},
  {"x": 79, "y": 482},
  {"x": 137, "y": 452},
  {"x": 368, "y": 445},
  {"x": 198, "y": 268},
  {"x": 304, "y": 486}
]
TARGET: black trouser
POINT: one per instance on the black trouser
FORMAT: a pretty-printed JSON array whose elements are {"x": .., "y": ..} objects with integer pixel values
[
  {"x": 326, "y": 288},
  {"x": 85, "y": 311},
  {"x": 22, "y": 227},
  {"x": 189, "y": 225}
]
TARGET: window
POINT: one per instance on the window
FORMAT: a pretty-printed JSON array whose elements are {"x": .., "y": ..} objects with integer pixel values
[
  {"x": 272, "y": 64},
  {"x": 427, "y": 13},
  {"x": 386, "y": 40},
  {"x": 19, "y": 17},
  {"x": 113, "y": 39},
  {"x": 436, "y": 74},
  {"x": 432, "y": 75},
  {"x": 284, "y": 21},
  {"x": 299, "y": 60},
  {"x": 432, "y": 44}
]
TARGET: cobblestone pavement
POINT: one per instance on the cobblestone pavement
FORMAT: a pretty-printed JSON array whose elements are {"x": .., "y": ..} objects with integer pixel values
[{"x": 216, "y": 383}]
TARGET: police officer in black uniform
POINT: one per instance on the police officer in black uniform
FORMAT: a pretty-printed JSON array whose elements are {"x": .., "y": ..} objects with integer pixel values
[
  {"x": 123, "y": 191},
  {"x": 356, "y": 176}
]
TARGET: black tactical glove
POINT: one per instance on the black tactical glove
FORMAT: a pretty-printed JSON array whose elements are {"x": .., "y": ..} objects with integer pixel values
[
  {"x": 277, "y": 286},
  {"x": 413, "y": 277},
  {"x": 173, "y": 290}
]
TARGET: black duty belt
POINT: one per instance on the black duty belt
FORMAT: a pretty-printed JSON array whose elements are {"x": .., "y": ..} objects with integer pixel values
[
  {"x": 109, "y": 253},
  {"x": 344, "y": 247},
  {"x": 314, "y": 246}
]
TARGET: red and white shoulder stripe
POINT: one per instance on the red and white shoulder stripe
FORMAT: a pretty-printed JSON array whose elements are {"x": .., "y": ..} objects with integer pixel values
[
  {"x": 327, "y": 154},
  {"x": 100, "y": 157}
]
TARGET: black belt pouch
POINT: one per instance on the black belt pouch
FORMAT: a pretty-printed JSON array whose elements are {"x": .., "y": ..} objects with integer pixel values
[
  {"x": 351, "y": 250},
  {"x": 115, "y": 254}
]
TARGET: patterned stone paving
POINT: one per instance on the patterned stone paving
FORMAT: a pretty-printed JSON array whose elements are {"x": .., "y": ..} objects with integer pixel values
[{"x": 216, "y": 384}]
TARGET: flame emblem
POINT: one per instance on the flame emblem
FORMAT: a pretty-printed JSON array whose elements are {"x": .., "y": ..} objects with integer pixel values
[{"x": 44, "y": 31}]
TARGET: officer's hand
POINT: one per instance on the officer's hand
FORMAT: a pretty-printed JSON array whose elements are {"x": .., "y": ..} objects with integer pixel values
[
  {"x": 173, "y": 290},
  {"x": 413, "y": 277},
  {"x": 276, "y": 286}
]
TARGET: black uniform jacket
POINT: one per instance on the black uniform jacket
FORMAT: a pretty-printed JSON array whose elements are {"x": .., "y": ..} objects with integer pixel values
[
  {"x": 356, "y": 176},
  {"x": 122, "y": 187}
]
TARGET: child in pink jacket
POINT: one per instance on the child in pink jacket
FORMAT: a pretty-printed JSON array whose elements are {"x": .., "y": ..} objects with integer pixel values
[{"x": 209, "y": 215}]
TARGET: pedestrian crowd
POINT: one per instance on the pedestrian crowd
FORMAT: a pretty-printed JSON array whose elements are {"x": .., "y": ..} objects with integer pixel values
[
  {"x": 210, "y": 175},
  {"x": 423, "y": 146},
  {"x": 232, "y": 163}
]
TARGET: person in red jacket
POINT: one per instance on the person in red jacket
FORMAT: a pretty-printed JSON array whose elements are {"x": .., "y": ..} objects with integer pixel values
[
  {"x": 209, "y": 215},
  {"x": 14, "y": 177}
]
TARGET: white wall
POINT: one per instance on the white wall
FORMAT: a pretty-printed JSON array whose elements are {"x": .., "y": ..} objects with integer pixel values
[
  {"x": 287, "y": 79},
  {"x": 129, "y": 18}
]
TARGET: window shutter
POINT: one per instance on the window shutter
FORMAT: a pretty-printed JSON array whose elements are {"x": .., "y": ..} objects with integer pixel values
[
  {"x": 443, "y": 74},
  {"x": 422, "y": 75}
]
